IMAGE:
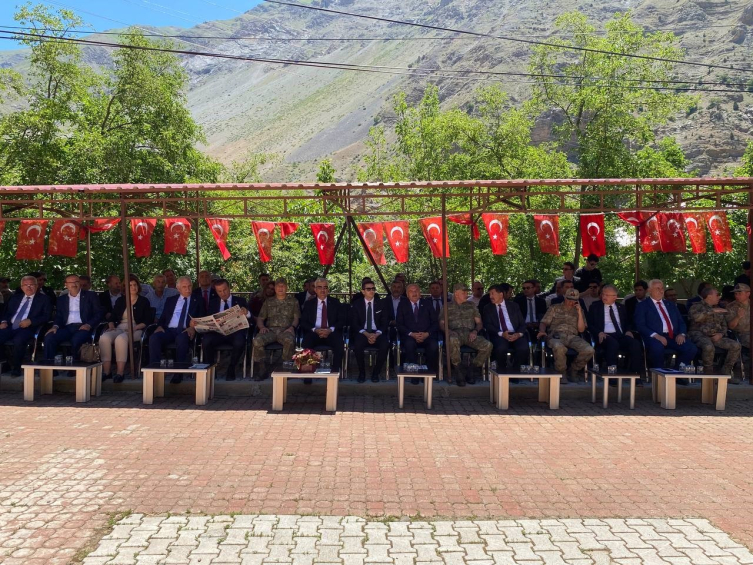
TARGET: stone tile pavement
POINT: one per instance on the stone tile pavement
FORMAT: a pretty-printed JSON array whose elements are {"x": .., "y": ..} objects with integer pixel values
[
  {"x": 305, "y": 540},
  {"x": 67, "y": 469}
]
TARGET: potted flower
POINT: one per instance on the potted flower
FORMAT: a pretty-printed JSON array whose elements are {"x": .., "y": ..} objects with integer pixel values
[{"x": 307, "y": 360}]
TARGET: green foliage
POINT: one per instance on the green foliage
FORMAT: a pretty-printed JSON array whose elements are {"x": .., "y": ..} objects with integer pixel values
[{"x": 326, "y": 173}]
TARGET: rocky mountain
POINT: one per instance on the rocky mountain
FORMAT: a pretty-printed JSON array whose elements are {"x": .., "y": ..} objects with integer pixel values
[{"x": 305, "y": 114}]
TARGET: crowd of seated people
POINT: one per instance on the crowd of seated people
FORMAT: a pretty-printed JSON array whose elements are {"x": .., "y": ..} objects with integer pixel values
[{"x": 577, "y": 317}]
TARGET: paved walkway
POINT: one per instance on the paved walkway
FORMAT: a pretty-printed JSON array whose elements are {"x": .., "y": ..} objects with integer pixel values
[{"x": 66, "y": 469}]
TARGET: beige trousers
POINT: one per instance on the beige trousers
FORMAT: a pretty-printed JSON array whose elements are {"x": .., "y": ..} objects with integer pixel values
[{"x": 118, "y": 337}]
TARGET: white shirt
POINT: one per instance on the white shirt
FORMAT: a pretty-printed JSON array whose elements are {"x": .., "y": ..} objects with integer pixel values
[
  {"x": 74, "y": 309},
  {"x": 395, "y": 304},
  {"x": 373, "y": 316},
  {"x": 437, "y": 302},
  {"x": 175, "y": 320},
  {"x": 510, "y": 327},
  {"x": 474, "y": 300},
  {"x": 114, "y": 299},
  {"x": 318, "y": 324},
  {"x": 608, "y": 325},
  {"x": 21, "y": 307},
  {"x": 664, "y": 327},
  {"x": 230, "y": 305}
]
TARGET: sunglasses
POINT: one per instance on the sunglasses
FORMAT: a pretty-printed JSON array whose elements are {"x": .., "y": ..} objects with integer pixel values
[{"x": 369, "y": 288}]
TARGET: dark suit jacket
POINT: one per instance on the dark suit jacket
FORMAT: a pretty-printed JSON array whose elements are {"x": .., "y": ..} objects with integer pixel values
[
  {"x": 143, "y": 313},
  {"x": 490, "y": 318},
  {"x": 105, "y": 304},
  {"x": 596, "y": 319},
  {"x": 46, "y": 290},
  {"x": 388, "y": 302},
  {"x": 198, "y": 292},
  {"x": 631, "y": 304},
  {"x": 337, "y": 314},
  {"x": 215, "y": 303},
  {"x": 301, "y": 297},
  {"x": 539, "y": 303},
  {"x": 381, "y": 312},
  {"x": 91, "y": 312},
  {"x": 427, "y": 318},
  {"x": 648, "y": 320},
  {"x": 39, "y": 313},
  {"x": 195, "y": 309}
]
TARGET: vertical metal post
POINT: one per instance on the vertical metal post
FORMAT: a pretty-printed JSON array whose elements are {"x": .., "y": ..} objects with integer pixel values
[
  {"x": 350, "y": 261},
  {"x": 89, "y": 253},
  {"x": 445, "y": 289},
  {"x": 637, "y": 253},
  {"x": 198, "y": 247},
  {"x": 127, "y": 284},
  {"x": 750, "y": 258}
]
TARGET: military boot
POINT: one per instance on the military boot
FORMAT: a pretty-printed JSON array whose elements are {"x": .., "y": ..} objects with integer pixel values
[
  {"x": 259, "y": 369},
  {"x": 458, "y": 372}
]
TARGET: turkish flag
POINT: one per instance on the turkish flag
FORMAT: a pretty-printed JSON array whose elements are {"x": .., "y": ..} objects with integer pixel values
[
  {"x": 99, "y": 226},
  {"x": 397, "y": 237},
  {"x": 63, "y": 238},
  {"x": 433, "y": 232},
  {"x": 496, "y": 227},
  {"x": 719, "y": 230},
  {"x": 592, "y": 235},
  {"x": 30, "y": 243},
  {"x": 142, "y": 230},
  {"x": 548, "y": 232},
  {"x": 648, "y": 229},
  {"x": 220, "y": 229},
  {"x": 694, "y": 222},
  {"x": 671, "y": 234},
  {"x": 177, "y": 231},
  {"x": 465, "y": 220},
  {"x": 264, "y": 232},
  {"x": 287, "y": 228},
  {"x": 324, "y": 237},
  {"x": 373, "y": 236}
]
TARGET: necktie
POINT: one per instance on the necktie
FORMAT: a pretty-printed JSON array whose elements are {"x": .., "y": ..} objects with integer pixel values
[
  {"x": 183, "y": 312},
  {"x": 369, "y": 318},
  {"x": 670, "y": 331},
  {"x": 226, "y": 306},
  {"x": 415, "y": 311},
  {"x": 206, "y": 299},
  {"x": 325, "y": 321},
  {"x": 531, "y": 311},
  {"x": 436, "y": 305},
  {"x": 21, "y": 313},
  {"x": 502, "y": 323},
  {"x": 613, "y": 316}
]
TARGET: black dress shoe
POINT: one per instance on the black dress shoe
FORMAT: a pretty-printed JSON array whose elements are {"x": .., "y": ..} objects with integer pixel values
[
  {"x": 118, "y": 379},
  {"x": 258, "y": 377},
  {"x": 15, "y": 373},
  {"x": 361, "y": 378},
  {"x": 374, "y": 378},
  {"x": 177, "y": 379},
  {"x": 308, "y": 381},
  {"x": 106, "y": 377},
  {"x": 471, "y": 380},
  {"x": 230, "y": 377},
  {"x": 415, "y": 381}
]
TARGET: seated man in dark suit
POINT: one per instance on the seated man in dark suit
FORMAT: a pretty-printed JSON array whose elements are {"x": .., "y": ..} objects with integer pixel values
[
  {"x": 221, "y": 301},
  {"x": 322, "y": 322},
  {"x": 661, "y": 327},
  {"x": 640, "y": 288},
  {"x": 417, "y": 326},
  {"x": 307, "y": 293},
  {"x": 78, "y": 313},
  {"x": 506, "y": 329},
  {"x": 611, "y": 328},
  {"x": 176, "y": 326},
  {"x": 108, "y": 297},
  {"x": 206, "y": 291},
  {"x": 531, "y": 306},
  {"x": 369, "y": 322},
  {"x": 23, "y": 316}
]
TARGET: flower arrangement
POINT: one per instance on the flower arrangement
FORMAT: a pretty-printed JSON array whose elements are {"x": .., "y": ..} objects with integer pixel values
[{"x": 307, "y": 360}]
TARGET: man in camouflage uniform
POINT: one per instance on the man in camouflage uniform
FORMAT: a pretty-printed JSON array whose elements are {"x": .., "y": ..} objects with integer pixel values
[
  {"x": 561, "y": 325},
  {"x": 708, "y": 330},
  {"x": 464, "y": 323},
  {"x": 277, "y": 322},
  {"x": 738, "y": 320}
]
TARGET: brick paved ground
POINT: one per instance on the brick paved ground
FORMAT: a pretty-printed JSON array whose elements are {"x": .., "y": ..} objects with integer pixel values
[{"x": 64, "y": 468}]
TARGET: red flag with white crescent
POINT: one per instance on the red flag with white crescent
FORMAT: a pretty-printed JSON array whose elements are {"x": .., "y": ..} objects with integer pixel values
[
  {"x": 719, "y": 230},
  {"x": 496, "y": 227},
  {"x": 220, "y": 229},
  {"x": 97, "y": 226},
  {"x": 287, "y": 228},
  {"x": 465, "y": 220},
  {"x": 324, "y": 238},
  {"x": 671, "y": 233},
  {"x": 398, "y": 238},
  {"x": 30, "y": 243},
  {"x": 373, "y": 236},
  {"x": 142, "y": 230},
  {"x": 648, "y": 229},
  {"x": 548, "y": 232},
  {"x": 434, "y": 234},
  {"x": 63, "y": 238},
  {"x": 694, "y": 223},
  {"x": 177, "y": 231},
  {"x": 264, "y": 232},
  {"x": 592, "y": 235}
]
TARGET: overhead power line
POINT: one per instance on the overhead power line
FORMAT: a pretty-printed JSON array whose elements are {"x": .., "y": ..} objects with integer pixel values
[
  {"x": 429, "y": 73},
  {"x": 507, "y": 38}
]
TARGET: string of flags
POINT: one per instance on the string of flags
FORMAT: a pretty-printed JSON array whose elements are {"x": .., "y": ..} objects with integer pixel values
[{"x": 657, "y": 231}]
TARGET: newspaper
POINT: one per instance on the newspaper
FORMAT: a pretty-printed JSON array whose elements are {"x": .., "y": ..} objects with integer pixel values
[{"x": 225, "y": 322}]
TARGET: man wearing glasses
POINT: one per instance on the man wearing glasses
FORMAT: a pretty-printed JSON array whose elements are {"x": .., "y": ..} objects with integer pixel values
[
  {"x": 589, "y": 273},
  {"x": 78, "y": 313},
  {"x": 322, "y": 322},
  {"x": 532, "y": 306},
  {"x": 464, "y": 323},
  {"x": 369, "y": 322},
  {"x": 25, "y": 313}
]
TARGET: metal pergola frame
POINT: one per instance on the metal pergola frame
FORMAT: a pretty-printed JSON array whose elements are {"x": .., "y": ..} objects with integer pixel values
[{"x": 84, "y": 203}]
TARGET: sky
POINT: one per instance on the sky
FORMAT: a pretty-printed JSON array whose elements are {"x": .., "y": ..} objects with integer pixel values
[{"x": 180, "y": 13}]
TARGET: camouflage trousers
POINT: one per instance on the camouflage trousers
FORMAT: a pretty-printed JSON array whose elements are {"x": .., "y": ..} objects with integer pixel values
[
  {"x": 481, "y": 345},
  {"x": 707, "y": 347},
  {"x": 562, "y": 344},
  {"x": 286, "y": 339}
]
